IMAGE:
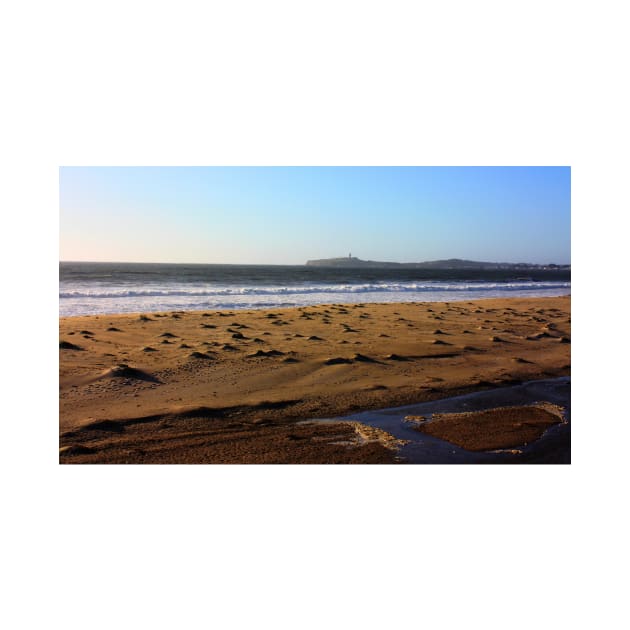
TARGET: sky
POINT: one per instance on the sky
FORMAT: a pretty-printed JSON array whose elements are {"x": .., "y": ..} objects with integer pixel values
[{"x": 288, "y": 215}]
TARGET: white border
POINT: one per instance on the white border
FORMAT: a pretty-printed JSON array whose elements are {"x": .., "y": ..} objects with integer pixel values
[{"x": 303, "y": 83}]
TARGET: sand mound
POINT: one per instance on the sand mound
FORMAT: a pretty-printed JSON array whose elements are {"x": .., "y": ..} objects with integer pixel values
[
  {"x": 337, "y": 360},
  {"x": 266, "y": 353},
  {"x": 66, "y": 345},
  {"x": 199, "y": 355},
  {"x": 122, "y": 370}
]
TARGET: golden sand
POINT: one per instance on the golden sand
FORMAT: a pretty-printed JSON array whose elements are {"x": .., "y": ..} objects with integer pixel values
[{"x": 222, "y": 386}]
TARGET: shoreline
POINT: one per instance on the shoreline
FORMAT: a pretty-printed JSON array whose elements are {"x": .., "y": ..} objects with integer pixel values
[
  {"x": 345, "y": 299},
  {"x": 245, "y": 377}
]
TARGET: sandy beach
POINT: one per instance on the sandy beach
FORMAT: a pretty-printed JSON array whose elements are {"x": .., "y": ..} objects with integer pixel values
[{"x": 233, "y": 386}]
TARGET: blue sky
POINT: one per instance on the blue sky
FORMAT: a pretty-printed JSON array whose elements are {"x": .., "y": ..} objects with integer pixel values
[{"x": 286, "y": 215}]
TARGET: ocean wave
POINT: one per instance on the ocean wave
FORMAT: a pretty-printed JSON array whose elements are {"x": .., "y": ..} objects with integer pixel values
[{"x": 413, "y": 287}]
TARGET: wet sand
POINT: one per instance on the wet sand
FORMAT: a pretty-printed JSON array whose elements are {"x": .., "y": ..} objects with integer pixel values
[
  {"x": 495, "y": 428},
  {"x": 228, "y": 387},
  {"x": 490, "y": 426}
]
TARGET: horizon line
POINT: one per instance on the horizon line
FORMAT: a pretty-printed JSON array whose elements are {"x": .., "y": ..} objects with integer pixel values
[{"x": 144, "y": 262}]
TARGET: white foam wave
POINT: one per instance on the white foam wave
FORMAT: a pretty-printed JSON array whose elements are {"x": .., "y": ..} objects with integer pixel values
[{"x": 410, "y": 287}]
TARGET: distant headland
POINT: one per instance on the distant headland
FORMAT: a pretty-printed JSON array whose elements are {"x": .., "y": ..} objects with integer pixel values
[{"x": 451, "y": 263}]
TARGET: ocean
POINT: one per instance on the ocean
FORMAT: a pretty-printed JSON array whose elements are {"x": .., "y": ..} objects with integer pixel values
[{"x": 100, "y": 288}]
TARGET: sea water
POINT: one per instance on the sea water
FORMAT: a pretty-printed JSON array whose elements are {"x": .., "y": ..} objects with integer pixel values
[{"x": 99, "y": 288}]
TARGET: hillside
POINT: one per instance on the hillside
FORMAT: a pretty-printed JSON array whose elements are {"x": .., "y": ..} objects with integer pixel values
[{"x": 451, "y": 263}]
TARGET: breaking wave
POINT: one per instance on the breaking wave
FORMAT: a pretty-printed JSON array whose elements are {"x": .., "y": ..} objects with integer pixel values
[{"x": 397, "y": 287}]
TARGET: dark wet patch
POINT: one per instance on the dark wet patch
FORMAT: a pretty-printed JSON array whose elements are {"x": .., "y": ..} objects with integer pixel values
[
  {"x": 76, "y": 449},
  {"x": 110, "y": 426}
]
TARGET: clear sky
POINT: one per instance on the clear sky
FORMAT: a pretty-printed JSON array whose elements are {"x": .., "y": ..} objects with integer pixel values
[{"x": 286, "y": 215}]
